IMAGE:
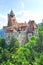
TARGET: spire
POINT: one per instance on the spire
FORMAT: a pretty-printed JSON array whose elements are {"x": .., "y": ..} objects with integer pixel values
[{"x": 12, "y": 13}]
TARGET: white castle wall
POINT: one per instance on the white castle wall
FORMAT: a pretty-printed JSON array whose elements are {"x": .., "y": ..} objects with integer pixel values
[{"x": 21, "y": 36}]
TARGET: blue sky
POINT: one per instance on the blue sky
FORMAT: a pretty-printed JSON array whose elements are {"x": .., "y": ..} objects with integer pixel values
[{"x": 23, "y": 9}]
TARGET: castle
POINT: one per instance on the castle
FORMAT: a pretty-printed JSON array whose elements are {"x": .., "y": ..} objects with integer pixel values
[{"x": 21, "y": 31}]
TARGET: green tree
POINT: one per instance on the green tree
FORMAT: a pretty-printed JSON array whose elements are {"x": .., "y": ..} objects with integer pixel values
[
  {"x": 2, "y": 42},
  {"x": 40, "y": 40},
  {"x": 21, "y": 56},
  {"x": 14, "y": 44}
]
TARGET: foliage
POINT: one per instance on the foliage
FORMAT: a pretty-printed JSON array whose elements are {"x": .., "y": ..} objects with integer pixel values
[
  {"x": 2, "y": 42},
  {"x": 14, "y": 44}
]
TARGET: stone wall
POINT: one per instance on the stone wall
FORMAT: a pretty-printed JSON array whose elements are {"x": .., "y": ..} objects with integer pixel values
[{"x": 21, "y": 36}]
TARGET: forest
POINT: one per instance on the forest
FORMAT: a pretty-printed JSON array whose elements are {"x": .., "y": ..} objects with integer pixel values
[{"x": 29, "y": 54}]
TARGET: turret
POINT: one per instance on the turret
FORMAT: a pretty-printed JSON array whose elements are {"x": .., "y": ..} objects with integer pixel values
[
  {"x": 11, "y": 18},
  {"x": 12, "y": 13}
]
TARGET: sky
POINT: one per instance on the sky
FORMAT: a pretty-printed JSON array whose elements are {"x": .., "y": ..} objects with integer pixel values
[{"x": 24, "y": 10}]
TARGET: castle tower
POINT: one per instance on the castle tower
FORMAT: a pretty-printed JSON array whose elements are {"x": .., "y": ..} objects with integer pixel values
[{"x": 11, "y": 19}]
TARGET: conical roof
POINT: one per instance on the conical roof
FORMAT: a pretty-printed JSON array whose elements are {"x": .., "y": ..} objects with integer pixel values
[{"x": 12, "y": 13}]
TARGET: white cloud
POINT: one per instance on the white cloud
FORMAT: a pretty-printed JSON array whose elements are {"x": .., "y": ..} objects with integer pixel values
[
  {"x": 22, "y": 3},
  {"x": 2, "y": 16},
  {"x": 3, "y": 20},
  {"x": 29, "y": 15}
]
